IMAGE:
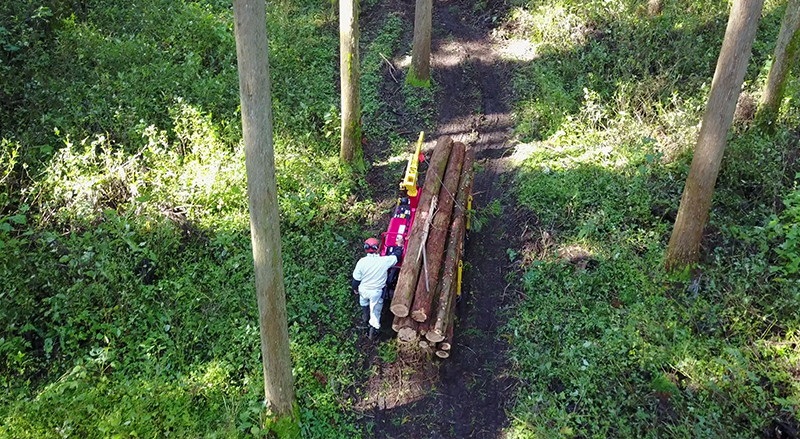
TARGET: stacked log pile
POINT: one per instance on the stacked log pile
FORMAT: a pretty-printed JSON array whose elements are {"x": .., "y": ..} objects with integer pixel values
[{"x": 425, "y": 296}]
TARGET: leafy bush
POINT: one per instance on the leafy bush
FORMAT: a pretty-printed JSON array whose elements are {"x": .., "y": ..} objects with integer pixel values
[{"x": 786, "y": 230}]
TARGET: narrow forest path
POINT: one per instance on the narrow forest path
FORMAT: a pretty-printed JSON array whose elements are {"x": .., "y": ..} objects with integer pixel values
[{"x": 465, "y": 396}]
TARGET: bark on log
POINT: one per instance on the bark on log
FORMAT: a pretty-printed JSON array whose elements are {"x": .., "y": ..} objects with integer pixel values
[
  {"x": 407, "y": 280},
  {"x": 423, "y": 328},
  {"x": 434, "y": 248},
  {"x": 399, "y": 323},
  {"x": 455, "y": 245},
  {"x": 447, "y": 343}
]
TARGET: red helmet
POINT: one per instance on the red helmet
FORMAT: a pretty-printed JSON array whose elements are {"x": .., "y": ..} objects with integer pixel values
[{"x": 371, "y": 245}]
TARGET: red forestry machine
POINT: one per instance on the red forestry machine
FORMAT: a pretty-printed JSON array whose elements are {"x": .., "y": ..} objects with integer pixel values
[{"x": 430, "y": 224}]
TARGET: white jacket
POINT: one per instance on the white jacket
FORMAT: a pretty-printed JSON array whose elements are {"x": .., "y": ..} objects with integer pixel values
[{"x": 371, "y": 270}]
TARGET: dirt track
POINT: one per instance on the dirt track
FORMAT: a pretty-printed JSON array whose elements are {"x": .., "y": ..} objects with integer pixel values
[{"x": 468, "y": 394}]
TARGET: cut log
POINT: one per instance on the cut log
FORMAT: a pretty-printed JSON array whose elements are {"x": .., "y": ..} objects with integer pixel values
[
  {"x": 399, "y": 323},
  {"x": 407, "y": 280},
  {"x": 447, "y": 343},
  {"x": 442, "y": 354},
  {"x": 423, "y": 328},
  {"x": 407, "y": 335},
  {"x": 455, "y": 243},
  {"x": 434, "y": 248},
  {"x": 406, "y": 329}
]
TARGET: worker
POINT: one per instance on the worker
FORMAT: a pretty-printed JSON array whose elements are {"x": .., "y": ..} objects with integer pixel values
[{"x": 369, "y": 281}]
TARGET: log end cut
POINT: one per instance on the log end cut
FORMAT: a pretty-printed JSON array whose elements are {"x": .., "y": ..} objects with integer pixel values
[
  {"x": 407, "y": 335},
  {"x": 434, "y": 336},
  {"x": 400, "y": 310},
  {"x": 419, "y": 315}
]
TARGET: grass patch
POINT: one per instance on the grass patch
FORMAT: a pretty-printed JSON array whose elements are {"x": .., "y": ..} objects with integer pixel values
[
  {"x": 605, "y": 343},
  {"x": 124, "y": 230}
]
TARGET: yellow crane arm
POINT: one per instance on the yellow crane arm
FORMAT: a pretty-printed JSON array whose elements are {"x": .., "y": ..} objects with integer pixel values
[{"x": 409, "y": 182}]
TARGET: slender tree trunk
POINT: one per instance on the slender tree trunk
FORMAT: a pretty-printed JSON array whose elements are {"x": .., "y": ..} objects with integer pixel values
[
  {"x": 350, "y": 73},
  {"x": 684, "y": 244},
  {"x": 655, "y": 7},
  {"x": 409, "y": 272},
  {"x": 419, "y": 73},
  {"x": 434, "y": 249},
  {"x": 254, "y": 90},
  {"x": 786, "y": 50}
]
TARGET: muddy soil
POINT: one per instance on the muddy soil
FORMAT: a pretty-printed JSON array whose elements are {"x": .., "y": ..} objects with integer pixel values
[{"x": 467, "y": 395}]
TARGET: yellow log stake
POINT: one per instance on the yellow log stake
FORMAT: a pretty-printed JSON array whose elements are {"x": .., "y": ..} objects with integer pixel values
[
  {"x": 458, "y": 288},
  {"x": 409, "y": 182},
  {"x": 469, "y": 210}
]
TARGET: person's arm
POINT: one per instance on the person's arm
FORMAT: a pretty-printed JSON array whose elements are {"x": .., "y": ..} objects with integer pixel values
[{"x": 356, "y": 279}]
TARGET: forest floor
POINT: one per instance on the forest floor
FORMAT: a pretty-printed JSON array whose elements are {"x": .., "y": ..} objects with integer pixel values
[{"x": 467, "y": 395}]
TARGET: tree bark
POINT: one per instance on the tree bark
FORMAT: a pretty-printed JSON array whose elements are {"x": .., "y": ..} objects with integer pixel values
[
  {"x": 434, "y": 248},
  {"x": 399, "y": 323},
  {"x": 785, "y": 56},
  {"x": 684, "y": 244},
  {"x": 409, "y": 272},
  {"x": 455, "y": 244},
  {"x": 254, "y": 89},
  {"x": 349, "y": 63},
  {"x": 419, "y": 74},
  {"x": 447, "y": 343}
]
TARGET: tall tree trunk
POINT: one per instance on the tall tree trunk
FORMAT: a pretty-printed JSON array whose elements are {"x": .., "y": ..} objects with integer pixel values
[
  {"x": 684, "y": 244},
  {"x": 254, "y": 89},
  {"x": 655, "y": 7},
  {"x": 419, "y": 74},
  {"x": 434, "y": 249},
  {"x": 786, "y": 50},
  {"x": 409, "y": 272},
  {"x": 350, "y": 73}
]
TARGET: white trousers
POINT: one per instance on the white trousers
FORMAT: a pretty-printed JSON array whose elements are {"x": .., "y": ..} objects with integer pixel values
[{"x": 375, "y": 301}]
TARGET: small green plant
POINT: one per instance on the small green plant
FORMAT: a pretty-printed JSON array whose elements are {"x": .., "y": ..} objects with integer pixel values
[
  {"x": 785, "y": 229},
  {"x": 388, "y": 351}
]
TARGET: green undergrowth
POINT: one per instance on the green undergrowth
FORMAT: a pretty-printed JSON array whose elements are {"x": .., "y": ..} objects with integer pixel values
[
  {"x": 604, "y": 342},
  {"x": 128, "y": 306}
]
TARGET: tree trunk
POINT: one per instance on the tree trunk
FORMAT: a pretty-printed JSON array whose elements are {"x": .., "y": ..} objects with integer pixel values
[
  {"x": 349, "y": 63},
  {"x": 455, "y": 244},
  {"x": 254, "y": 90},
  {"x": 655, "y": 7},
  {"x": 434, "y": 248},
  {"x": 419, "y": 74},
  {"x": 409, "y": 272},
  {"x": 684, "y": 244},
  {"x": 785, "y": 56}
]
